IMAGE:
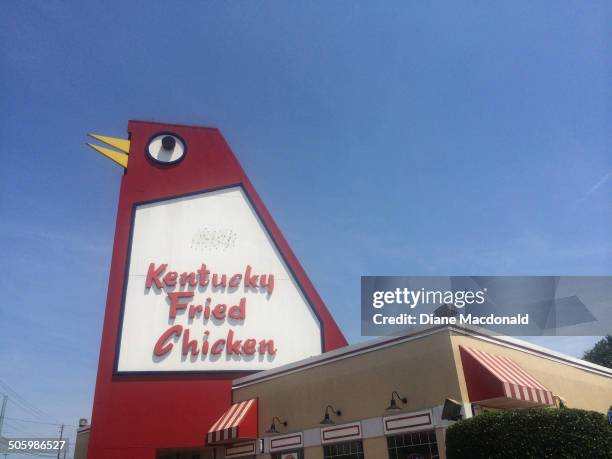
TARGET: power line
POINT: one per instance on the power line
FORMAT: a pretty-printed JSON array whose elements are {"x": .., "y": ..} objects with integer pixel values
[
  {"x": 27, "y": 405},
  {"x": 23, "y": 403},
  {"x": 12, "y": 427},
  {"x": 25, "y": 409},
  {"x": 40, "y": 422},
  {"x": 31, "y": 430}
]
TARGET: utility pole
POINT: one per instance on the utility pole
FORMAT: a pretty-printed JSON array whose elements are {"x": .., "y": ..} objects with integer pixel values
[
  {"x": 61, "y": 433},
  {"x": 4, "y": 400},
  {"x": 2, "y": 411}
]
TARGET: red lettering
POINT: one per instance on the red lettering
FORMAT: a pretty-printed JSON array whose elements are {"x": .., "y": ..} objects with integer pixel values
[
  {"x": 188, "y": 277},
  {"x": 205, "y": 343},
  {"x": 230, "y": 346},
  {"x": 238, "y": 312},
  {"x": 219, "y": 311},
  {"x": 170, "y": 279},
  {"x": 153, "y": 275},
  {"x": 193, "y": 310},
  {"x": 217, "y": 347},
  {"x": 249, "y": 346},
  {"x": 189, "y": 346},
  {"x": 233, "y": 347},
  {"x": 161, "y": 348},
  {"x": 267, "y": 282},
  {"x": 203, "y": 275},
  {"x": 207, "y": 309},
  {"x": 221, "y": 283},
  {"x": 174, "y": 302},
  {"x": 263, "y": 344},
  {"x": 250, "y": 281},
  {"x": 235, "y": 280}
]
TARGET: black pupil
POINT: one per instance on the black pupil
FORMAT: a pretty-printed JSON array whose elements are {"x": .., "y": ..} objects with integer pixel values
[{"x": 168, "y": 142}]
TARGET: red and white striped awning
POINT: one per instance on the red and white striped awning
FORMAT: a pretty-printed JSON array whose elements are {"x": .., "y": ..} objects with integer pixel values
[
  {"x": 495, "y": 378},
  {"x": 238, "y": 423}
]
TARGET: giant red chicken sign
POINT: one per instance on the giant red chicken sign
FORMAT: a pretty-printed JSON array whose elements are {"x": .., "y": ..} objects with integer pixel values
[{"x": 202, "y": 282}]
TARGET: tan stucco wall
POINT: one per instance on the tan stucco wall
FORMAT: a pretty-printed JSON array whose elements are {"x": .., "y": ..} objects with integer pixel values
[
  {"x": 375, "y": 447},
  {"x": 423, "y": 370},
  {"x": 581, "y": 388},
  {"x": 441, "y": 441},
  {"x": 81, "y": 443},
  {"x": 314, "y": 452}
]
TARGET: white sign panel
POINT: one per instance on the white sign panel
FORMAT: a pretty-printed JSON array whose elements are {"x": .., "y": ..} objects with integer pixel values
[
  {"x": 286, "y": 442},
  {"x": 408, "y": 422},
  {"x": 207, "y": 290},
  {"x": 345, "y": 432}
]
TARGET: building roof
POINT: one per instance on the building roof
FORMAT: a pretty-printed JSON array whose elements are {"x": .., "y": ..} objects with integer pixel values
[{"x": 389, "y": 341}]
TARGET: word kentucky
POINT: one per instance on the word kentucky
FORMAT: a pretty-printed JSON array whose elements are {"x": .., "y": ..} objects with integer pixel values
[{"x": 202, "y": 277}]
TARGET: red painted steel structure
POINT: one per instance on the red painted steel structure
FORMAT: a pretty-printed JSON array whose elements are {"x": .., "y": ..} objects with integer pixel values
[{"x": 134, "y": 415}]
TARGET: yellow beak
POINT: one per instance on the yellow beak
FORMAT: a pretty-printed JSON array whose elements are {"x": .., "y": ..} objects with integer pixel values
[{"x": 120, "y": 157}]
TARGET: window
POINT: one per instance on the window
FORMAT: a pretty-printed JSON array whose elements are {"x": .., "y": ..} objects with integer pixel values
[
  {"x": 413, "y": 445},
  {"x": 295, "y": 454},
  {"x": 348, "y": 450}
]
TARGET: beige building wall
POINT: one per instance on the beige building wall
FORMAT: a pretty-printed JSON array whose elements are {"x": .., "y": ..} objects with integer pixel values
[
  {"x": 314, "y": 452},
  {"x": 81, "y": 443},
  {"x": 581, "y": 388},
  {"x": 375, "y": 447},
  {"x": 422, "y": 370}
]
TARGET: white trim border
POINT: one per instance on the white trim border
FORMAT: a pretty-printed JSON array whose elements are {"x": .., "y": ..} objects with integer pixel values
[
  {"x": 408, "y": 422},
  {"x": 285, "y": 442},
  {"x": 341, "y": 433}
]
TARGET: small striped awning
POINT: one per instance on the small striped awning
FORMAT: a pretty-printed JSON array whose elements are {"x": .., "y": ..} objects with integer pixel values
[
  {"x": 500, "y": 381},
  {"x": 238, "y": 423}
]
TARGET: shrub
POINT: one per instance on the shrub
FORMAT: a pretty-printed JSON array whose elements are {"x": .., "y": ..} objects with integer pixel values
[{"x": 534, "y": 432}]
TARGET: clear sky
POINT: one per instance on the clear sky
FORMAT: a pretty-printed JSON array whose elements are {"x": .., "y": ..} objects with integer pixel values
[{"x": 385, "y": 138}]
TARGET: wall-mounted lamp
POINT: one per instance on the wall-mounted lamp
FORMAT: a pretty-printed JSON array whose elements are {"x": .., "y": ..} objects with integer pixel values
[
  {"x": 393, "y": 405},
  {"x": 272, "y": 429},
  {"x": 326, "y": 419},
  {"x": 451, "y": 410}
]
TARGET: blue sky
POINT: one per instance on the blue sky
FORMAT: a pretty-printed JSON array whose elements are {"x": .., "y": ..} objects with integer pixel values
[{"x": 398, "y": 138}]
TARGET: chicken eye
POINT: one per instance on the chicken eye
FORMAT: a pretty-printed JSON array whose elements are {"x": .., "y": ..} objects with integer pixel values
[{"x": 166, "y": 148}]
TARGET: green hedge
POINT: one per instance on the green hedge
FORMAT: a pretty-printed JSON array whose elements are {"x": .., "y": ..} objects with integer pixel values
[{"x": 534, "y": 432}]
